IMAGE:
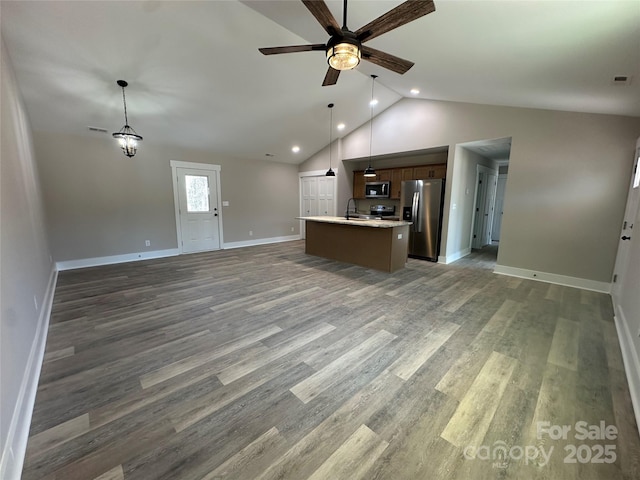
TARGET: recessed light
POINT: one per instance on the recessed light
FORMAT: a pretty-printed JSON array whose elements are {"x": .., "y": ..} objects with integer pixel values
[
  {"x": 340, "y": 126},
  {"x": 415, "y": 91},
  {"x": 295, "y": 149},
  {"x": 373, "y": 102}
]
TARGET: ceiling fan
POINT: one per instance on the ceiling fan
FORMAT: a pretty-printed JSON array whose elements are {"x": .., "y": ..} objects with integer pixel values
[{"x": 344, "y": 48}]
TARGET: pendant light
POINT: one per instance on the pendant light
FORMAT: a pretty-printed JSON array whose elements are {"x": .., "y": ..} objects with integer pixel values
[
  {"x": 127, "y": 136},
  {"x": 330, "y": 173},
  {"x": 369, "y": 171}
]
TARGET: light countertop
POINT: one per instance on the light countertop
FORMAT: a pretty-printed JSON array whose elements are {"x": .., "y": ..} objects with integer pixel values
[{"x": 358, "y": 222}]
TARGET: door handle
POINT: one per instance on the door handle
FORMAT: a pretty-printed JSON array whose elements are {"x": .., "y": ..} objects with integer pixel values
[{"x": 624, "y": 237}]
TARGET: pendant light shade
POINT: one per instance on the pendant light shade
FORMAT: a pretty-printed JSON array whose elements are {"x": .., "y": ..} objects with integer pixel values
[
  {"x": 369, "y": 171},
  {"x": 330, "y": 172},
  {"x": 127, "y": 136}
]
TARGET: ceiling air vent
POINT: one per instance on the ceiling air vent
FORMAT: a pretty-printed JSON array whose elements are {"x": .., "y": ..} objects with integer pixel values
[
  {"x": 97, "y": 129},
  {"x": 622, "y": 80}
]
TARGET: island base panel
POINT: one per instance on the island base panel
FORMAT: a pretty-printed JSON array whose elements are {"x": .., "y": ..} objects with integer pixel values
[{"x": 376, "y": 248}]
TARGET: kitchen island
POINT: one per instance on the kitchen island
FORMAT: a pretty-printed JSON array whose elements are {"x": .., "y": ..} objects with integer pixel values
[{"x": 377, "y": 244}]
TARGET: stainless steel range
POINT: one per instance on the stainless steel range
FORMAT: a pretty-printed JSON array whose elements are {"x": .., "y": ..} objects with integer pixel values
[{"x": 383, "y": 211}]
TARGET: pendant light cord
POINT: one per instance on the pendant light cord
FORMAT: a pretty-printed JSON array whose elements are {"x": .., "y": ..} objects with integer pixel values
[
  {"x": 124, "y": 100},
  {"x": 330, "y": 129},
  {"x": 371, "y": 120}
]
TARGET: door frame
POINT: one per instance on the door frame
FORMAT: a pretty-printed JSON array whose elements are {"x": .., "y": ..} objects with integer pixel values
[
  {"x": 206, "y": 167},
  {"x": 315, "y": 173}
]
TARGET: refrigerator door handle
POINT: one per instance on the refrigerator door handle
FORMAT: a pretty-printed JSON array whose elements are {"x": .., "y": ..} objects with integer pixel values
[{"x": 414, "y": 212}]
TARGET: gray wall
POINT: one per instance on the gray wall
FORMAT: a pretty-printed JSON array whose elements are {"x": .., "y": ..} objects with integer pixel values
[
  {"x": 101, "y": 203},
  {"x": 568, "y": 176},
  {"x": 26, "y": 267}
]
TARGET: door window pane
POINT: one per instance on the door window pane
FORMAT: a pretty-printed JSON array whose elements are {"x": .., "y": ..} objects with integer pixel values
[{"x": 197, "y": 193}]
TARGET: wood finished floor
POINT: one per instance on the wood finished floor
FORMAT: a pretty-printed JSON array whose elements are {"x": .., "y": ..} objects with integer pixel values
[{"x": 266, "y": 363}]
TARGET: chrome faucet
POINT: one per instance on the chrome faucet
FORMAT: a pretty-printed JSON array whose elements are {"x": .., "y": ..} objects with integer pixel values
[{"x": 355, "y": 205}]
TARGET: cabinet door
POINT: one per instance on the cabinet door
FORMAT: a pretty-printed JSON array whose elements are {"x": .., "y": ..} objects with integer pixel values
[
  {"x": 396, "y": 183},
  {"x": 407, "y": 173},
  {"x": 383, "y": 175},
  {"x": 423, "y": 173},
  {"x": 358, "y": 184},
  {"x": 440, "y": 171}
]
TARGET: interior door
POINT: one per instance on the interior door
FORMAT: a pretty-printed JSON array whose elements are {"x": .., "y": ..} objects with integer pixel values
[
  {"x": 489, "y": 208},
  {"x": 309, "y": 196},
  {"x": 198, "y": 210},
  {"x": 481, "y": 196},
  {"x": 326, "y": 195},
  {"x": 624, "y": 244},
  {"x": 497, "y": 213}
]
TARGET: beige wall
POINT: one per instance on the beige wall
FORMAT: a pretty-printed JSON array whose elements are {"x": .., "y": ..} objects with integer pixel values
[
  {"x": 101, "y": 203},
  {"x": 568, "y": 176},
  {"x": 26, "y": 274}
]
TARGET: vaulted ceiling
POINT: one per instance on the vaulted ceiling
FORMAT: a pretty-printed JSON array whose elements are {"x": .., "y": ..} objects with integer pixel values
[{"x": 197, "y": 79}]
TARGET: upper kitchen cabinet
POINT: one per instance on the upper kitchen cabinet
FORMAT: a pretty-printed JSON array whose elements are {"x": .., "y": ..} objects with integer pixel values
[
  {"x": 358, "y": 184},
  {"x": 396, "y": 176},
  {"x": 383, "y": 175},
  {"x": 425, "y": 172}
]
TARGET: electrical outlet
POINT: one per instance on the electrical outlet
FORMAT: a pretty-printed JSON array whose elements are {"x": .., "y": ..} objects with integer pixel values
[
  {"x": 147, "y": 243},
  {"x": 399, "y": 236},
  {"x": 225, "y": 203},
  {"x": 251, "y": 233},
  {"x": 292, "y": 229}
]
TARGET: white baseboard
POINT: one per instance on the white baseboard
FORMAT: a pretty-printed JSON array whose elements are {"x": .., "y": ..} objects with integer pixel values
[
  {"x": 454, "y": 256},
  {"x": 18, "y": 433},
  {"x": 630, "y": 359},
  {"x": 261, "y": 241},
  {"x": 576, "y": 282},
  {"x": 112, "y": 259}
]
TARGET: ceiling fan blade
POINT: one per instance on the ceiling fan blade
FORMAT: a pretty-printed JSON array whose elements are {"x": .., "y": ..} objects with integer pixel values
[
  {"x": 322, "y": 13},
  {"x": 386, "y": 60},
  {"x": 401, "y": 15},
  {"x": 331, "y": 78},
  {"x": 293, "y": 49}
]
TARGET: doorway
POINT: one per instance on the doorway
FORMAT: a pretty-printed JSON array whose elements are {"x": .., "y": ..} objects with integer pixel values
[
  {"x": 481, "y": 169},
  {"x": 196, "y": 191}
]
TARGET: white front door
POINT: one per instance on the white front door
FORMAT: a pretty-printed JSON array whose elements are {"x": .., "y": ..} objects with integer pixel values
[{"x": 198, "y": 210}]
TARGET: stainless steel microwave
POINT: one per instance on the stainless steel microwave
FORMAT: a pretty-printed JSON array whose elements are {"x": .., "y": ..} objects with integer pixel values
[{"x": 377, "y": 189}]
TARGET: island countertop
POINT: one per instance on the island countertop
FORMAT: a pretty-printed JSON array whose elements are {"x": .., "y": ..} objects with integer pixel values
[{"x": 358, "y": 222}]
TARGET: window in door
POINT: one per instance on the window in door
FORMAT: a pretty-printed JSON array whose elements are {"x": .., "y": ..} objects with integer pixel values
[{"x": 197, "y": 189}]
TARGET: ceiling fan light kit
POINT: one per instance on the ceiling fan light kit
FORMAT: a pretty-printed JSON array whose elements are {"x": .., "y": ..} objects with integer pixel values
[
  {"x": 344, "y": 53},
  {"x": 344, "y": 50},
  {"x": 127, "y": 137}
]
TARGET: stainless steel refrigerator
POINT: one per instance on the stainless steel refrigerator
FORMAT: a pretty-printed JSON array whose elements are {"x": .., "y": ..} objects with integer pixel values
[{"x": 421, "y": 203}]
